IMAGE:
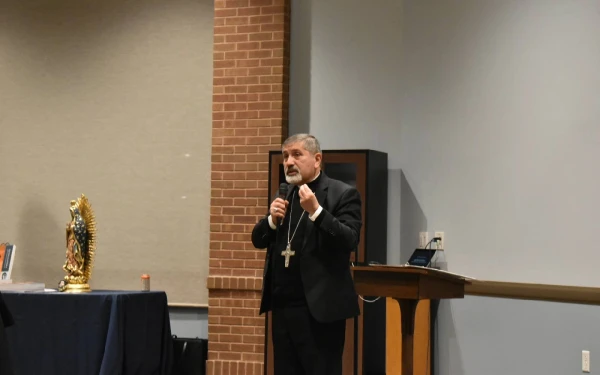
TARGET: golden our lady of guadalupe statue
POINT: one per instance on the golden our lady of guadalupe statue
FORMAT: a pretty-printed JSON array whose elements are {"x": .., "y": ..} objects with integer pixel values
[{"x": 81, "y": 247}]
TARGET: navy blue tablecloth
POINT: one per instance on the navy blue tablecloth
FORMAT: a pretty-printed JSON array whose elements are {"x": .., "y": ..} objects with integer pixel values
[{"x": 100, "y": 332}]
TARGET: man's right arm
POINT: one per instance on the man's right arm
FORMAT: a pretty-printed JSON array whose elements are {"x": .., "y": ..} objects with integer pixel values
[
  {"x": 262, "y": 232},
  {"x": 267, "y": 226}
]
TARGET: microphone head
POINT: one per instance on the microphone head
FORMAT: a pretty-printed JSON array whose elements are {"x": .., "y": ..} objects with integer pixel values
[{"x": 283, "y": 190}]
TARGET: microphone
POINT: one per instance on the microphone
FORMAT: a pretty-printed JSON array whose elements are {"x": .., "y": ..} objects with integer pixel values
[
  {"x": 283, "y": 187},
  {"x": 283, "y": 190}
]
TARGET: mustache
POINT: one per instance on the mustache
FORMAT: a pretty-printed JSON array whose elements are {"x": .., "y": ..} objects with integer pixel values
[{"x": 291, "y": 169}]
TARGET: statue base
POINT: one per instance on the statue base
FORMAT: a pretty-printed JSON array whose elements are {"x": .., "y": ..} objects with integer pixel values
[
  {"x": 77, "y": 288},
  {"x": 64, "y": 286}
]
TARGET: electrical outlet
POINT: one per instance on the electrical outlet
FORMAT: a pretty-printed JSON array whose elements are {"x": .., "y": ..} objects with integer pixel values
[
  {"x": 423, "y": 239},
  {"x": 585, "y": 361},
  {"x": 440, "y": 243}
]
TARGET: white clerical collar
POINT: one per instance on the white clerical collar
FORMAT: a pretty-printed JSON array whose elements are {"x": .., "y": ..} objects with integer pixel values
[{"x": 314, "y": 178}]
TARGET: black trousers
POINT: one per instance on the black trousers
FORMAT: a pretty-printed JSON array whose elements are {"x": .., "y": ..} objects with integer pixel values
[{"x": 303, "y": 346}]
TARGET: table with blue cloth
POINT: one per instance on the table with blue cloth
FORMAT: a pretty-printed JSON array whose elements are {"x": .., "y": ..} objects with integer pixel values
[{"x": 99, "y": 332}]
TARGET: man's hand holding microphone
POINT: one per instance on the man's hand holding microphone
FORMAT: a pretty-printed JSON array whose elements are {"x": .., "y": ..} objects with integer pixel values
[
  {"x": 279, "y": 205},
  {"x": 278, "y": 210}
]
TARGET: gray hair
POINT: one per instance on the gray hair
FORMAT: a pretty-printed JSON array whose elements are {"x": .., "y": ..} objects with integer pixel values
[{"x": 309, "y": 142}]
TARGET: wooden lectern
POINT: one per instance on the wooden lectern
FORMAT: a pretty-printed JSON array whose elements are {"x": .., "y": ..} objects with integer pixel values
[{"x": 408, "y": 285}]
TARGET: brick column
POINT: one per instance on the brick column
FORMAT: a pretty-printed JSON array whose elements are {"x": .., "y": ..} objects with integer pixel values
[{"x": 250, "y": 109}]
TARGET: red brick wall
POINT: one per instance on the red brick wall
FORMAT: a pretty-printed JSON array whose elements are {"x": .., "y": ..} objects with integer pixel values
[{"x": 250, "y": 109}]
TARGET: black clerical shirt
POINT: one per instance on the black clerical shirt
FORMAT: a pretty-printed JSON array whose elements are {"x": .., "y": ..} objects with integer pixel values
[{"x": 287, "y": 284}]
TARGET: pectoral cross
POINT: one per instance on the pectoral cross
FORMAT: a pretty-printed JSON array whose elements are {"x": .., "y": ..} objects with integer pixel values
[{"x": 287, "y": 253}]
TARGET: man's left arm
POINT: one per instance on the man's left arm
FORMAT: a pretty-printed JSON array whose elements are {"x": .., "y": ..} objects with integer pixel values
[{"x": 340, "y": 230}]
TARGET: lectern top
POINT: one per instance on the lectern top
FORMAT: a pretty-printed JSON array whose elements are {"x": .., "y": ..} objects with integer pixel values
[{"x": 408, "y": 269}]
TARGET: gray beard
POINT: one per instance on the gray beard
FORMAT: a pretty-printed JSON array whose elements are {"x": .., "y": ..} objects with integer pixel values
[{"x": 294, "y": 179}]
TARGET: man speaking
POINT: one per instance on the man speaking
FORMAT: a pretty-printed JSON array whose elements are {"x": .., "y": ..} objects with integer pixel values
[{"x": 309, "y": 233}]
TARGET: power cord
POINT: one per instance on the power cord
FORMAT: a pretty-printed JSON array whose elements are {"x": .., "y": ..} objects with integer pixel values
[
  {"x": 434, "y": 239},
  {"x": 361, "y": 297},
  {"x": 369, "y": 301}
]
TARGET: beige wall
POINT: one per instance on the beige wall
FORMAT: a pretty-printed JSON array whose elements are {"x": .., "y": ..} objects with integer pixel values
[{"x": 111, "y": 99}]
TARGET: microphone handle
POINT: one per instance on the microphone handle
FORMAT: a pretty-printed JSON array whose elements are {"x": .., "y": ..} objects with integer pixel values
[{"x": 283, "y": 218}]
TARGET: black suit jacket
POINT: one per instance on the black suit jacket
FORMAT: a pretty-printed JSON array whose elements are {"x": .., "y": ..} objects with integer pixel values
[{"x": 325, "y": 254}]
